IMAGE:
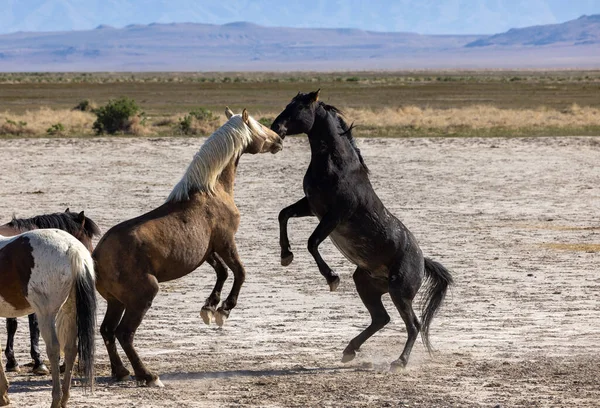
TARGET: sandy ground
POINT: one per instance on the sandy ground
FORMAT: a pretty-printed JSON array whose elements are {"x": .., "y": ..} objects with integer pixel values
[{"x": 516, "y": 220}]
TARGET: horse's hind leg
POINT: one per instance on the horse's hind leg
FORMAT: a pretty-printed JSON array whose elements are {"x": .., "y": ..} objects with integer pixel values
[
  {"x": 112, "y": 318},
  {"x": 232, "y": 260},
  {"x": 210, "y": 306},
  {"x": 39, "y": 368},
  {"x": 370, "y": 291},
  {"x": 48, "y": 329},
  {"x": 9, "y": 352},
  {"x": 403, "y": 288},
  {"x": 135, "y": 310},
  {"x": 3, "y": 386}
]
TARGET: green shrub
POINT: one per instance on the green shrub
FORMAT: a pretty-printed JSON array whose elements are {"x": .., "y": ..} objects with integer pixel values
[
  {"x": 203, "y": 114},
  {"x": 266, "y": 121},
  {"x": 185, "y": 125},
  {"x": 85, "y": 106},
  {"x": 116, "y": 116},
  {"x": 56, "y": 130}
]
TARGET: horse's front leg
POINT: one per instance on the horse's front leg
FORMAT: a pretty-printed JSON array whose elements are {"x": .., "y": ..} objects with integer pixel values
[
  {"x": 232, "y": 260},
  {"x": 39, "y": 368},
  {"x": 9, "y": 352},
  {"x": 210, "y": 306},
  {"x": 298, "y": 209},
  {"x": 326, "y": 226}
]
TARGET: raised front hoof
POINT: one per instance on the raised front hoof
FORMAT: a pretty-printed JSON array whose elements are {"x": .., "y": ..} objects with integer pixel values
[
  {"x": 4, "y": 401},
  {"x": 286, "y": 258},
  {"x": 221, "y": 316},
  {"x": 41, "y": 369},
  {"x": 207, "y": 315},
  {"x": 12, "y": 368},
  {"x": 122, "y": 374},
  {"x": 348, "y": 356},
  {"x": 333, "y": 284},
  {"x": 398, "y": 365}
]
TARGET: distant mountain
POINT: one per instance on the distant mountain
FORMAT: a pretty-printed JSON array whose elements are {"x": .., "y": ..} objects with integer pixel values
[
  {"x": 244, "y": 46},
  {"x": 583, "y": 31}
]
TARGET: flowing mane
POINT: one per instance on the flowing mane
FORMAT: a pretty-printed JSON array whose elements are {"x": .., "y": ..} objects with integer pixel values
[
  {"x": 66, "y": 221},
  {"x": 346, "y": 130},
  {"x": 227, "y": 142}
]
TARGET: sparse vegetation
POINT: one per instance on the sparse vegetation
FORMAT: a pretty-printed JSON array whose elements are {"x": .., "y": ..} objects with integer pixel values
[
  {"x": 401, "y": 104},
  {"x": 58, "y": 129},
  {"x": 119, "y": 115}
]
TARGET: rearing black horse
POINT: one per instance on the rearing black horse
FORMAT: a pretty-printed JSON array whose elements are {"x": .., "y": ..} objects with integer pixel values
[{"x": 338, "y": 191}]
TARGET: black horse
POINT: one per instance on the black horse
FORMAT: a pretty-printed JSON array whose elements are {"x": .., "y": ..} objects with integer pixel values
[
  {"x": 338, "y": 191},
  {"x": 76, "y": 224}
]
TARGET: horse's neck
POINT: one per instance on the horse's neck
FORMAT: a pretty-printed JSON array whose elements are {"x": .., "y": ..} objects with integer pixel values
[
  {"x": 227, "y": 177},
  {"x": 324, "y": 136}
]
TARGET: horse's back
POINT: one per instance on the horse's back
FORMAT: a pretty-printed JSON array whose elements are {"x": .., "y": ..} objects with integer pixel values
[{"x": 36, "y": 267}]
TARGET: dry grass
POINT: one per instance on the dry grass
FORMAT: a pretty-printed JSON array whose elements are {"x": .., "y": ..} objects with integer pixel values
[
  {"x": 467, "y": 118},
  {"x": 574, "y": 247},
  {"x": 39, "y": 121},
  {"x": 475, "y": 117}
]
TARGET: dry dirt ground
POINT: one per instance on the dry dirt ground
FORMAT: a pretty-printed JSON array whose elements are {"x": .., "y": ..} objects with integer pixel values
[{"x": 516, "y": 220}]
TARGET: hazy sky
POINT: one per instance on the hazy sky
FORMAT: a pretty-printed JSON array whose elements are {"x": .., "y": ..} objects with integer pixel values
[{"x": 421, "y": 16}]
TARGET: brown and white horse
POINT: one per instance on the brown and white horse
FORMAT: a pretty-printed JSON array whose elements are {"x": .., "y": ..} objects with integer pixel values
[
  {"x": 50, "y": 273},
  {"x": 197, "y": 223},
  {"x": 76, "y": 224}
]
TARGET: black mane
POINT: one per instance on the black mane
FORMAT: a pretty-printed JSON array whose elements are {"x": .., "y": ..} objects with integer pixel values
[
  {"x": 346, "y": 130},
  {"x": 66, "y": 221}
]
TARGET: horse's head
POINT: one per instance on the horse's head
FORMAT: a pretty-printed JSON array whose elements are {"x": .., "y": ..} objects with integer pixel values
[
  {"x": 298, "y": 116},
  {"x": 263, "y": 139},
  {"x": 86, "y": 229}
]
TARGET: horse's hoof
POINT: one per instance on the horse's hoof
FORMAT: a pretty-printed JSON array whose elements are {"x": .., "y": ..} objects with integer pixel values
[
  {"x": 397, "y": 365},
  {"x": 333, "y": 285},
  {"x": 220, "y": 317},
  {"x": 43, "y": 370},
  {"x": 207, "y": 315},
  {"x": 122, "y": 374},
  {"x": 287, "y": 259},
  {"x": 348, "y": 356},
  {"x": 13, "y": 368},
  {"x": 4, "y": 401},
  {"x": 156, "y": 382}
]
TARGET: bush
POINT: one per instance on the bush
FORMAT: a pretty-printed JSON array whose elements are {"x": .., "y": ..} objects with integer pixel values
[
  {"x": 58, "y": 129},
  {"x": 203, "y": 114},
  {"x": 10, "y": 127},
  {"x": 266, "y": 121},
  {"x": 116, "y": 116},
  {"x": 198, "y": 122},
  {"x": 85, "y": 106}
]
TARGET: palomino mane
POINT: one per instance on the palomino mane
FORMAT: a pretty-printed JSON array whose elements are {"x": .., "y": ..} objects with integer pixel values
[
  {"x": 226, "y": 143},
  {"x": 346, "y": 130},
  {"x": 66, "y": 221}
]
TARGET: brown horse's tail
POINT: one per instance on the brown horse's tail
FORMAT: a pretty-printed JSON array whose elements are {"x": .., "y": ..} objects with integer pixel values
[
  {"x": 82, "y": 267},
  {"x": 439, "y": 279}
]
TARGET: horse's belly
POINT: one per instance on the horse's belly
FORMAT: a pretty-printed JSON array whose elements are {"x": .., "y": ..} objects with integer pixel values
[
  {"x": 354, "y": 250},
  {"x": 8, "y": 309}
]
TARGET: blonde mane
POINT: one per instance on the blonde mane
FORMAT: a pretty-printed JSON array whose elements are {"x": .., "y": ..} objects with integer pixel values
[{"x": 226, "y": 143}]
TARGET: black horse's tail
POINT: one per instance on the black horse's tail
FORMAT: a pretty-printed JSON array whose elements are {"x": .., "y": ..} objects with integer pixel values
[
  {"x": 439, "y": 279},
  {"x": 85, "y": 311}
]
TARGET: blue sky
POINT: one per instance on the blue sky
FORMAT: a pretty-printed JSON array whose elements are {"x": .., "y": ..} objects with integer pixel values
[{"x": 421, "y": 16}]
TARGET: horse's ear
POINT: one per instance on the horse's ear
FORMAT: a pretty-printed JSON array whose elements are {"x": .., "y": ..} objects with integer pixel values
[
  {"x": 67, "y": 210},
  {"x": 314, "y": 96},
  {"x": 228, "y": 112},
  {"x": 81, "y": 216},
  {"x": 245, "y": 115}
]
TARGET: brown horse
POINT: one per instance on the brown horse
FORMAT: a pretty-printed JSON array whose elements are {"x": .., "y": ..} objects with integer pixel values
[
  {"x": 76, "y": 224},
  {"x": 197, "y": 223}
]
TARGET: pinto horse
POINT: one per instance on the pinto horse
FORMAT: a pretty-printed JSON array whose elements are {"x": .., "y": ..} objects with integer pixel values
[
  {"x": 338, "y": 192},
  {"x": 197, "y": 223},
  {"x": 50, "y": 273},
  {"x": 76, "y": 224}
]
